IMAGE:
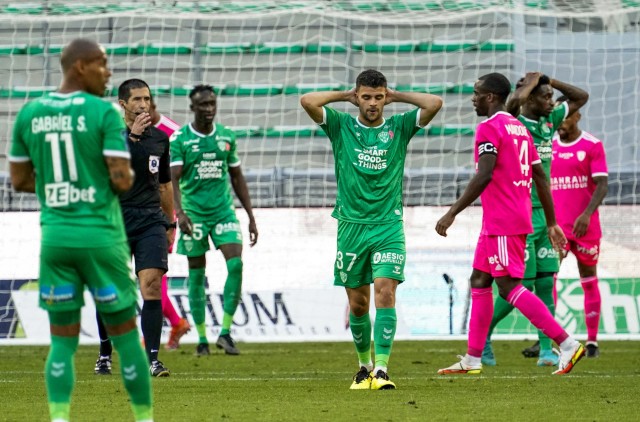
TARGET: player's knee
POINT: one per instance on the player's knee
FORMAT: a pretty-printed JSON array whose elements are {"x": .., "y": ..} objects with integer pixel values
[
  {"x": 234, "y": 266},
  {"x": 120, "y": 322}
]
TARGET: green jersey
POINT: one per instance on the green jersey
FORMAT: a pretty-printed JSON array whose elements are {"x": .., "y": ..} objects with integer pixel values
[
  {"x": 542, "y": 132},
  {"x": 369, "y": 165},
  {"x": 66, "y": 137},
  {"x": 205, "y": 161}
]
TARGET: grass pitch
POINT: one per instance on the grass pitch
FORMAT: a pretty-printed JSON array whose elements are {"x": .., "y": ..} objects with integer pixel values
[{"x": 310, "y": 382}]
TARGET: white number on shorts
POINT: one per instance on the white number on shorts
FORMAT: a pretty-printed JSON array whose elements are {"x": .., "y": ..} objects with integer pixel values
[
  {"x": 340, "y": 263},
  {"x": 196, "y": 233}
]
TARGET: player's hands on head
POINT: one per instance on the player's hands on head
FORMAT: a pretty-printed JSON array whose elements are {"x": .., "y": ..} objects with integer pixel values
[
  {"x": 581, "y": 225},
  {"x": 351, "y": 97},
  {"x": 444, "y": 223},
  {"x": 557, "y": 237},
  {"x": 184, "y": 222},
  {"x": 142, "y": 121},
  {"x": 530, "y": 78},
  {"x": 253, "y": 233},
  {"x": 390, "y": 96}
]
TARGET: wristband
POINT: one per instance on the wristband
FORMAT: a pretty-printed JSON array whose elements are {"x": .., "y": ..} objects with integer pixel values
[
  {"x": 173, "y": 225},
  {"x": 134, "y": 136}
]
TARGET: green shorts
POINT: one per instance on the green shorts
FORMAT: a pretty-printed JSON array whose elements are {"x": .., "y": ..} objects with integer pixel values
[
  {"x": 105, "y": 271},
  {"x": 539, "y": 256},
  {"x": 369, "y": 251},
  {"x": 221, "y": 233}
]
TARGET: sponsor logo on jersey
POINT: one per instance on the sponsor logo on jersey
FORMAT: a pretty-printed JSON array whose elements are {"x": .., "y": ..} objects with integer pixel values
[
  {"x": 566, "y": 155},
  {"x": 154, "y": 164},
  {"x": 64, "y": 193},
  {"x": 569, "y": 182},
  {"x": 373, "y": 159},
  {"x": 222, "y": 145},
  {"x": 545, "y": 150},
  {"x": 191, "y": 141},
  {"x": 209, "y": 169},
  {"x": 209, "y": 155},
  {"x": 581, "y": 155}
]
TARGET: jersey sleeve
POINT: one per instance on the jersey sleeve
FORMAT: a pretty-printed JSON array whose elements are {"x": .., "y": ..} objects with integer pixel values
[
  {"x": 164, "y": 174},
  {"x": 233, "y": 160},
  {"x": 175, "y": 149},
  {"x": 558, "y": 115},
  {"x": 487, "y": 140},
  {"x": 331, "y": 123},
  {"x": 114, "y": 134},
  {"x": 410, "y": 123},
  {"x": 19, "y": 151},
  {"x": 598, "y": 161}
]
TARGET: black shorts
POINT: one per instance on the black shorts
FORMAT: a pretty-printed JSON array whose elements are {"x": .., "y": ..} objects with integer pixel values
[{"x": 147, "y": 234}]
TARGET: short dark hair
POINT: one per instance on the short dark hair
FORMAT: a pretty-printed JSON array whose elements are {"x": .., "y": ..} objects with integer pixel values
[
  {"x": 496, "y": 83},
  {"x": 124, "y": 90},
  {"x": 544, "y": 80},
  {"x": 200, "y": 88},
  {"x": 371, "y": 78}
]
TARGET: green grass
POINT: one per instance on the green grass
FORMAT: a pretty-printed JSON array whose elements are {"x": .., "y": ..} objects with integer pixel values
[{"x": 310, "y": 382}]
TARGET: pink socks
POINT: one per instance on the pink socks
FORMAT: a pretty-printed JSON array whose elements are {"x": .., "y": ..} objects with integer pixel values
[
  {"x": 592, "y": 303},
  {"x": 481, "y": 314},
  {"x": 167, "y": 307},
  {"x": 536, "y": 312}
]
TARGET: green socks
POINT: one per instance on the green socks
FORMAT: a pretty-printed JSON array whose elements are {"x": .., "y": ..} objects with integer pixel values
[
  {"x": 135, "y": 373},
  {"x": 383, "y": 333},
  {"x": 231, "y": 293},
  {"x": 59, "y": 375},
  {"x": 361, "y": 332},
  {"x": 197, "y": 301}
]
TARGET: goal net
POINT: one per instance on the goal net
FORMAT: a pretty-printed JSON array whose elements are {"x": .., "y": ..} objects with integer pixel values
[{"x": 262, "y": 55}]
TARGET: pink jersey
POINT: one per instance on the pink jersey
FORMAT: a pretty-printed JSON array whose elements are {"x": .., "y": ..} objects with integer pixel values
[
  {"x": 167, "y": 125},
  {"x": 573, "y": 167},
  {"x": 506, "y": 201}
]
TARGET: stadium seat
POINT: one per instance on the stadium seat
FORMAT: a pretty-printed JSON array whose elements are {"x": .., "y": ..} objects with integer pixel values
[
  {"x": 435, "y": 88},
  {"x": 226, "y": 48},
  {"x": 253, "y": 89},
  {"x": 165, "y": 48},
  {"x": 25, "y": 91},
  {"x": 303, "y": 88},
  {"x": 277, "y": 48},
  {"x": 9, "y": 49},
  {"x": 386, "y": 46},
  {"x": 327, "y": 47}
]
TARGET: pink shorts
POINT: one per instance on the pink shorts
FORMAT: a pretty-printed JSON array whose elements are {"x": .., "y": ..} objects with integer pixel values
[
  {"x": 585, "y": 249},
  {"x": 501, "y": 256}
]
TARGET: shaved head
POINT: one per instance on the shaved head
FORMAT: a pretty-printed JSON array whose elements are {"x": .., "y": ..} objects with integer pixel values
[{"x": 79, "y": 49}]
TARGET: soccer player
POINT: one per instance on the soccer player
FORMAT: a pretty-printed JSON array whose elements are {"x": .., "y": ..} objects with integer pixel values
[
  {"x": 179, "y": 326},
  {"x": 203, "y": 153},
  {"x": 533, "y": 104},
  {"x": 370, "y": 152},
  {"x": 506, "y": 162},
  {"x": 69, "y": 148},
  {"x": 147, "y": 209},
  {"x": 579, "y": 184}
]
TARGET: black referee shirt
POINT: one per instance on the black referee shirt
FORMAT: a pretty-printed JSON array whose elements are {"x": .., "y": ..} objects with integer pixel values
[{"x": 150, "y": 161}]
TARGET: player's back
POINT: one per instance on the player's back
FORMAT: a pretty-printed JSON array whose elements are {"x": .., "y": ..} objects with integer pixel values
[
  {"x": 66, "y": 137},
  {"x": 506, "y": 201}
]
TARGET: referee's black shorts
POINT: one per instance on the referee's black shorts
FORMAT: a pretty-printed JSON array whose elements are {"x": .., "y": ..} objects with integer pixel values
[{"x": 147, "y": 233}]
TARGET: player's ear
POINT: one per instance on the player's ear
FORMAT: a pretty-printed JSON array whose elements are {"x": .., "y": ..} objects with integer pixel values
[{"x": 122, "y": 103}]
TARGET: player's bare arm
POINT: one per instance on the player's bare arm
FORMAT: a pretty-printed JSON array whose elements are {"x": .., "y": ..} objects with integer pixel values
[
  {"x": 581, "y": 224},
  {"x": 558, "y": 239},
  {"x": 476, "y": 186},
  {"x": 166, "y": 203},
  {"x": 23, "y": 179},
  {"x": 313, "y": 102},
  {"x": 523, "y": 89},
  {"x": 184, "y": 222},
  {"x": 120, "y": 173},
  {"x": 239, "y": 185},
  {"x": 576, "y": 97},
  {"x": 429, "y": 104}
]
